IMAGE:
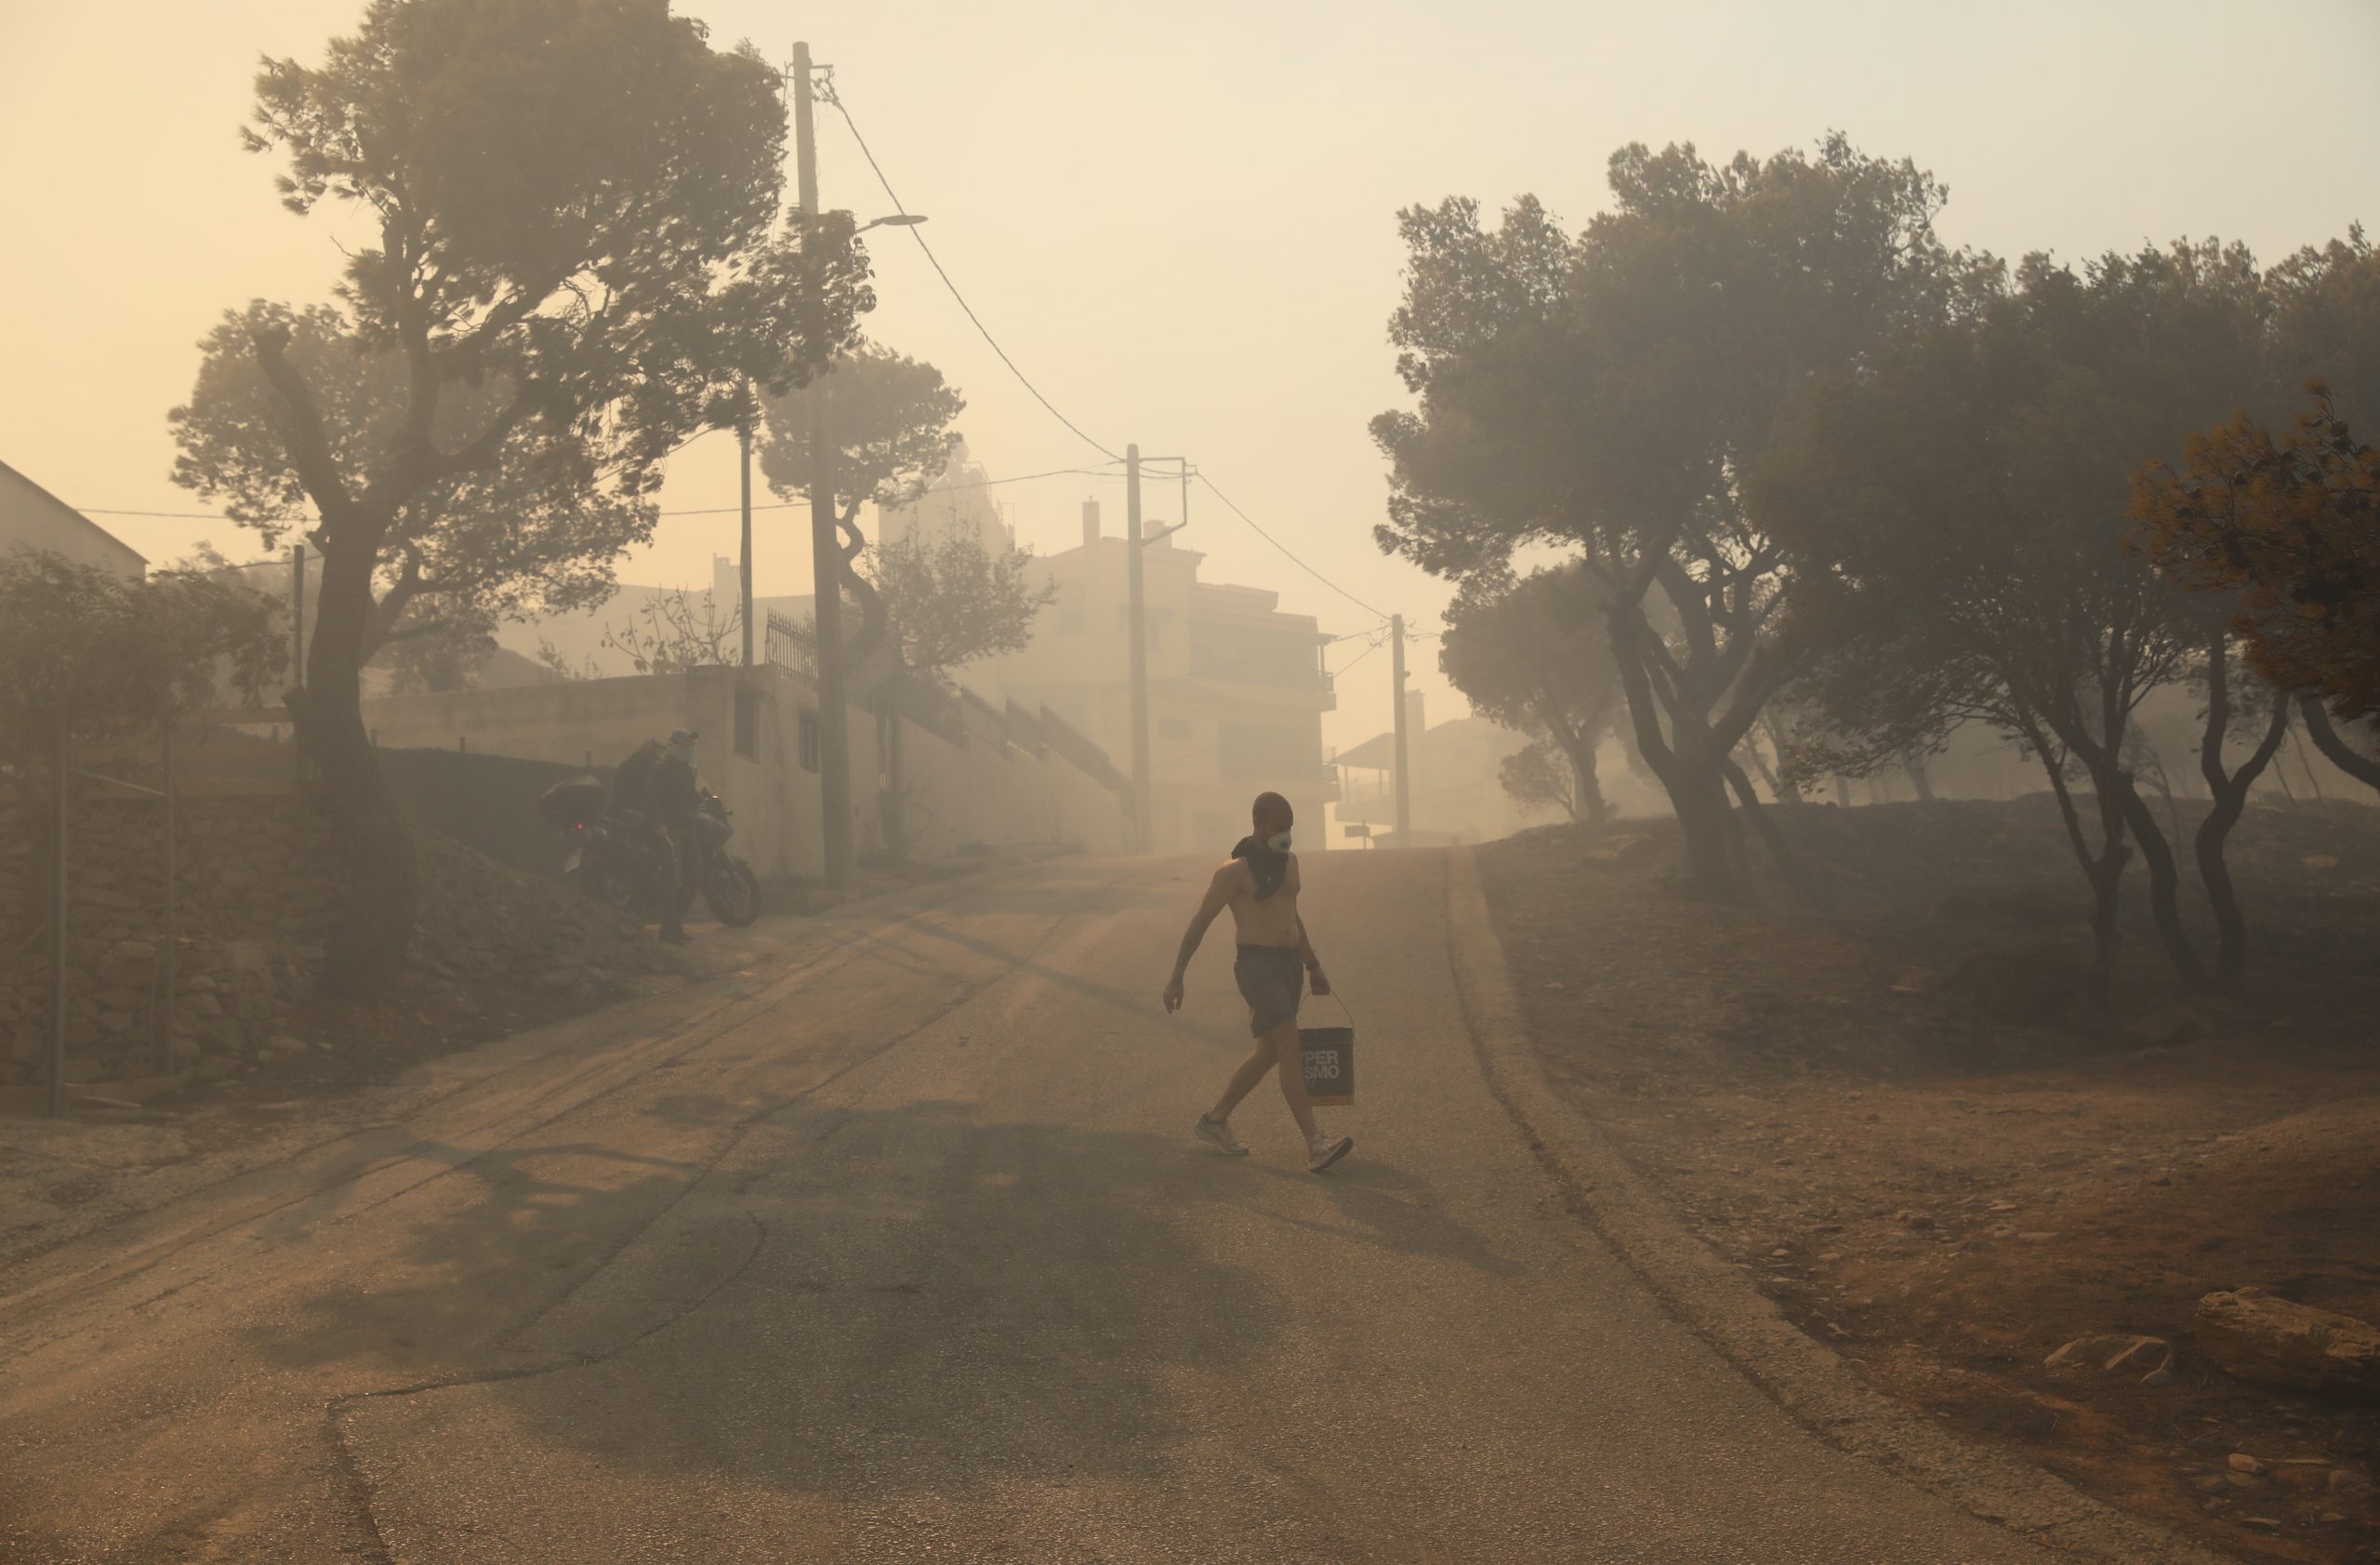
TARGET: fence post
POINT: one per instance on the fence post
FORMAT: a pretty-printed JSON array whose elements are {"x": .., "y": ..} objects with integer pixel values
[{"x": 54, "y": 1100}]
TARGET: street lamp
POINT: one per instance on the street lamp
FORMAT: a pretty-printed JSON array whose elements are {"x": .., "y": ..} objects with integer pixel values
[{"x": 898, "y": 219}]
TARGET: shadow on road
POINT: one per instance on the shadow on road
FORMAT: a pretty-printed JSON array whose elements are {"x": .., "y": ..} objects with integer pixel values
[{"x": 937, "y": 1302}]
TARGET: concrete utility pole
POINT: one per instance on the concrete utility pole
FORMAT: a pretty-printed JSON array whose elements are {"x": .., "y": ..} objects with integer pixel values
[
  {"x": 1137, "y": 617},
  {"x": 826, "y": 547},
  {"x": 1403, "y": 774},
  {"x": 744, "y": 439}
]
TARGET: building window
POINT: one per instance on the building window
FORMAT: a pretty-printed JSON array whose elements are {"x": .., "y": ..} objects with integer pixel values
[
  {"x": 1173, "y": 728},
  {"x": 1069, "y": 622},
  {"x": 809, "y": 741},
  {"x": 748, "y": 722}
]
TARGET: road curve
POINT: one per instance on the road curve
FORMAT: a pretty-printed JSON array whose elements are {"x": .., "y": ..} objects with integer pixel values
[{"x": 909, "y": 1255}]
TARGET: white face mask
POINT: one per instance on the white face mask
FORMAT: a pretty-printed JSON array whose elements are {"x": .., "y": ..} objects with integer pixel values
[{"x": 1278, "y": 841}]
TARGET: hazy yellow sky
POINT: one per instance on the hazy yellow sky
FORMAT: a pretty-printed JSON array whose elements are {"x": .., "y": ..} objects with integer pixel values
[{"x": 1177, "y": 218}]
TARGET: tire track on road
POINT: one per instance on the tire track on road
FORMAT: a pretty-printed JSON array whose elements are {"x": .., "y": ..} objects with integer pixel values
[{"x": 357, "y": 1483}]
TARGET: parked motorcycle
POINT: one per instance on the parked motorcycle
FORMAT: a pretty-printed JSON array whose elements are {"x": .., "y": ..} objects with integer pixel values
[
  {"x": 619, "y": 862},
  {"x": 729, "y": 888}
]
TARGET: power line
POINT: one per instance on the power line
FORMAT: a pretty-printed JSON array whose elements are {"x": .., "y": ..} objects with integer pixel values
[
  {"x": 927, "y": 495},
  {"x": 1376, "y": 643},
  {"x": 1209, "y": 669},
  {"x": 835, "y": 98},
  {"x": 180, "y": 515},
  {"x": 699, "y": 510},
  {"x": 1200, "y": 474}
]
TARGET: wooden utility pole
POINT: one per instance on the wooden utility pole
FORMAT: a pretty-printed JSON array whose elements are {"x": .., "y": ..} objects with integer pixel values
[
  {"x": 826, "y": 546},
  {"x": 1403, "y": 774},
  {"x": 161, "y": 1014},
  {"x": 62, "y": 771},
  {"x": 1136, "y": 617}
]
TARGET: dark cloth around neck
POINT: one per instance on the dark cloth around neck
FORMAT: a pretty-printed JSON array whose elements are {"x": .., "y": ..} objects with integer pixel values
[{"x": 1270, "y": 868}]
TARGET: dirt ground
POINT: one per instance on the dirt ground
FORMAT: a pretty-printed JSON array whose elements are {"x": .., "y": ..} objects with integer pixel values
[{"x": 1894, "y": 1107}]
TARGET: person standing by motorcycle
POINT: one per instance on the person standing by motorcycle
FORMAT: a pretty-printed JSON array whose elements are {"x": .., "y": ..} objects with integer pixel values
[
  {"x": 672, "y": 797},
  {"x": 635, "y": 800}
]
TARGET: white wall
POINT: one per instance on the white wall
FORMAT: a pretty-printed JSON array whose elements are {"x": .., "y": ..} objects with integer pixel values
[
  {"x": 32, "y": 518},
  {"x": 980, "y": 792}
]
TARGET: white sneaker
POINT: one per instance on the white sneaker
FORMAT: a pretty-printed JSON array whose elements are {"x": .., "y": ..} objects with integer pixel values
[
  {"x": 1217, "y": 1135},
  {"x": 1324, "y": 1150}
]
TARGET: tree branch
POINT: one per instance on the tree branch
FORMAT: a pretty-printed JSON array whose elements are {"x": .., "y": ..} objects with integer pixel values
[{"x": 302, "y": 435}]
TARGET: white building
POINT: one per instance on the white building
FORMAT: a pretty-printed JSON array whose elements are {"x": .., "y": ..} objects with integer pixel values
[
  {"x": 960, "y": 500},
  {"x": 1237, "y": 688},
  {"x": 32, "y": 518}
]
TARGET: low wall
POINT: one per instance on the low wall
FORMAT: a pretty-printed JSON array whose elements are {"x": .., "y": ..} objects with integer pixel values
[
  {"x": 988, "y": 782},
  {"x": 258, "y": 876}
]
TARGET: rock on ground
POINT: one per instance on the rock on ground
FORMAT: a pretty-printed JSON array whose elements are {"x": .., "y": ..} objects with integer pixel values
[{"x": 2255, "y": 1336}]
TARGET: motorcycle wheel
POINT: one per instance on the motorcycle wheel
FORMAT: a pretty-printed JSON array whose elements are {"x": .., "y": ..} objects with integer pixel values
[
  {"x": 732, "y": 892},
  {"x": 606, "y": 885}
]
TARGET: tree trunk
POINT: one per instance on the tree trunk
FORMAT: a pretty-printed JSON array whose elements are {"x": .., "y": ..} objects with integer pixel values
[
  {"x": 896, "y": 839},
  {"x": 2103, "y": 869},
  {"x": 1697, "y": 789},
  {"x": 1771, "y": 838},
  {"x": 2334, "y": 744},
  {"x": 365, "y": 957},
  {"x": 1915, "y": 767},
  {"x": 2228, "y": 794},
  {"x": 1713, "y": 854},
  {"x": 1750, "y": 750},
  {"x": 2164, "y": 879},
  {"x": 1588, "y": 801}
]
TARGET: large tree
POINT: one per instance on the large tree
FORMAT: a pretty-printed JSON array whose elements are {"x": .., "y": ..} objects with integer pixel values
[
  {"x": 927, "y": 604},
  {"x": 1960, "y": 500},
  {"x": 536, "y": 530},
  {"x": 1606, "y": 394},
  {"x": 1533, "y": 656},
  {"x": 575, "y": 203},
  {"x": 950, "y": 601},
  {"x": 892, "y": 422},
  {"x": 2286, "y": 534}
]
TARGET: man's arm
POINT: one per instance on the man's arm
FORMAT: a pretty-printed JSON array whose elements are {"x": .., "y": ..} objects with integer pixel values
[
  {"x": 1217, "y": 897},
  {"x": 1316, "y": 979}
]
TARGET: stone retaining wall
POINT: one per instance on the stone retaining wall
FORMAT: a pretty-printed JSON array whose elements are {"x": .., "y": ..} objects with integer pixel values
[
  {"x": 259, "y": 882},
  {"x": 257, "y": 885}
]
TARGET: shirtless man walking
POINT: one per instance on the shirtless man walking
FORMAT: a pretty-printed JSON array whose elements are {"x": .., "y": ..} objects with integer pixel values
[{"x": 1260, "y": 886}]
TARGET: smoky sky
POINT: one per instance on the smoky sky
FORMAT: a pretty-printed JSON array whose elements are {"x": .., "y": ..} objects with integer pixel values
[{"x": 1179, "y": 219}]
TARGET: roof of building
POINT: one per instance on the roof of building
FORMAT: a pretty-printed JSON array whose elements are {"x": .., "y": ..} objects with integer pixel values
[
  {"x": 1378, "y": 752},
  {"x": 6, "y": 470}
]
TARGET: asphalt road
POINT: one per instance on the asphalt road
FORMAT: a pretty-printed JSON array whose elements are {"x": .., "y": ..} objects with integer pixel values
[{"x": 906, "y": 1254}]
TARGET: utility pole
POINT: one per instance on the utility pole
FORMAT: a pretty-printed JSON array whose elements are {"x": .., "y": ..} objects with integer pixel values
[
  {"x": 53, "y": 1098},
  {"x": 826, "y": 547},
  {"x": 1403, "y": 774},
  {"x": 1137, "y": 615},
  {"x": 744, "y": 438}
]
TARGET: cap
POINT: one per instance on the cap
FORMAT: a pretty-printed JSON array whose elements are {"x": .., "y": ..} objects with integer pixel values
[{"x": 683, "y": 736}]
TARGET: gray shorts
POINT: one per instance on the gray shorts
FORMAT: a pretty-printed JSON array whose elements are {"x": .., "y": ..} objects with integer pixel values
[{"x": 1272, "y": 980}]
